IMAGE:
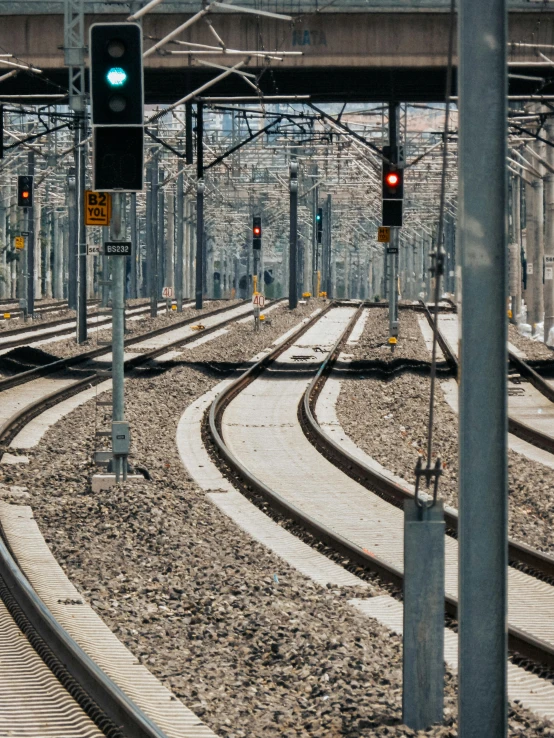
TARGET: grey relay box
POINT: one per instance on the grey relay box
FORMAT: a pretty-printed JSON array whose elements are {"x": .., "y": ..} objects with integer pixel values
[{"x": 121, "y": 438}]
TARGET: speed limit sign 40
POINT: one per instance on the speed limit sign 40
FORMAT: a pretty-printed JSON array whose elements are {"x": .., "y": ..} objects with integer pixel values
[
  {"x": 167, "y": 292},
  {"x": 258, "y": 300}
]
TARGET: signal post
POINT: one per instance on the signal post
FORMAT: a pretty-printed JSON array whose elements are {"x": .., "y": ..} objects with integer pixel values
[
  {"x": 393, "y": 196},
  {"x": 117, "y": 97}
]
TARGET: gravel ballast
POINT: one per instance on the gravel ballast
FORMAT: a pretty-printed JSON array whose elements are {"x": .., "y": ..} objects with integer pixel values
[
  {"x": 251, "y": 646},
  {"x": 68, "y": 347},
  {"x": 388, "y": 420},
  {"x": 533, "y": 349}
]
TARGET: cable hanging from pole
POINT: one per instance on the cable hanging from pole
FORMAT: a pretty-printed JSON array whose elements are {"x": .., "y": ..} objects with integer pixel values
[{"x": 432, "y": 473}]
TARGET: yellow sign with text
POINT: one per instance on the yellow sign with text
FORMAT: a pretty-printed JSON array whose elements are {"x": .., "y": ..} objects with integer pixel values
[
  {"x": 98, "y": 208},
  {"x": 383, "y": 234},
  {"x": 19, "y": 242}
]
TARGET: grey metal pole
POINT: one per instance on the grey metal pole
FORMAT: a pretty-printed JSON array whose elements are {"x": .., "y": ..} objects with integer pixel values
[
  {"x": 392, "y": 290},
  {"x": 4, "y": 283},
  {"x": 199, "y": 244},
  {"x": 483, "y": 492},
  {"x": 133, "y": 287},
  {"x": 31, "y": 246},
  {"x": 328, "y": 240},
  {"x": 81, "y": 237},
  {"x": 118, "y": 331},
  {"x": 118, "y": 302},
  {"x": 293, "y": 253},
  {"x": 169, "y": 280},
  {"x": 549, "y": 240},
  {"x": 160, "y": 230},
  {"x": 72, "y": 240},
  {"x": 180, "y": 238},
  {"x": 199, "y": 281},
  {"x": 153, "y": 241},
  {"x": 516, "y": 198}
]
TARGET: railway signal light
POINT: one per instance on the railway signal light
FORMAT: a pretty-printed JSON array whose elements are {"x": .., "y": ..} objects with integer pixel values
[
  {"x": 319, "y": 224},
  {"x": 257, "y": 232},
  {"x": 393, "y": 190},
  {"x": 25, "y": 191},
  {"x": 117, "y": 106},
  {"x": 393, "y": 182}
]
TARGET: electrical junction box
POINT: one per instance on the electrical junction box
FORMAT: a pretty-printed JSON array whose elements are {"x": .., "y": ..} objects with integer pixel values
[{"x": 121, "y": 438}]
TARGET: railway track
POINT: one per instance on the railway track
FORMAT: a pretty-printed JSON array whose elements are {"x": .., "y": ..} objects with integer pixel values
[
  {"x": 37, "y": 333},
  {"x": 49, "y": 385},
  {"x": 15, "y": 312},
  {"x": 279, "y": 453},
  {"x": 524, "y": 406},
  {"x": 87, "y": 702}
]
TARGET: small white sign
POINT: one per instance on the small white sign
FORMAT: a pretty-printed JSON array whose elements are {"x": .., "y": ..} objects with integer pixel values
[
  {"x": 548, "y": 259},
  {"x": 258, "y": 301},
  {"x": 167, "y": 292},
  {"x": 529, "y": 267},
  {"x": 94, "y": 248},
  {"x": 547, "y": 273}
]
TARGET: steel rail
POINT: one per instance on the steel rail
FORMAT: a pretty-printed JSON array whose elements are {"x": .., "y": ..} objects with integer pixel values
[
  {"x": 39, "y": 311},
  {"x": 72, "y": 361},
  {"x": 94, "y": 321},
  {"x": 520, "y": 642}
]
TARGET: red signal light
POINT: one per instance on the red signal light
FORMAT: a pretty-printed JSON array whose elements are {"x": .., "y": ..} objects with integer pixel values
[
  {"x": 257, "y": 230},
  {"x": 392, "y": 179}
]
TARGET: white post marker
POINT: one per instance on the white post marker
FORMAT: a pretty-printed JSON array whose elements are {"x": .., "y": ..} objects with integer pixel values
[
  {"x": 167, "y": 294},
  {"x": 258, "y": 302}
]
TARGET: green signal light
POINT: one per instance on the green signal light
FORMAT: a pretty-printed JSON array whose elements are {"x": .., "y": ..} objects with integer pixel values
[
  {"x": 318, "y": 217},
  {"x": 116, "y": 77}
]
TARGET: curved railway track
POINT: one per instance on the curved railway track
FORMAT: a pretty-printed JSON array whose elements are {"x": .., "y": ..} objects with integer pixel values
[
  {"x": 522, "y": 430},
  {"x": 12, "y": 425},
  {"x": 99, "y": 701},
  {"x": 325, "y": 513}
]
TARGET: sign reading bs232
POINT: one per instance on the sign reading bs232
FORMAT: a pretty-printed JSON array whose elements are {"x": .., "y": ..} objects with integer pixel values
[
  {"x": 117, "y": 248},
  {"x": 98, "y": 208}
]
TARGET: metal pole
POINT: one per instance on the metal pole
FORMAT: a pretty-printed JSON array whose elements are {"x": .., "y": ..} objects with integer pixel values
[
  {"x": 153, "y": 241},
  {"x": 293, "y": 253},
  {"x": 133, "y": 287},
  {"x": 516, "y": 197},
  {"x": 72, "y": 241},
  {"x": 170, "y": 246},
  {"x": 549, "y": 240},
  {"x": 393, "y": 250},
  {"x": 31, "y": 247},
  {"x": 199, "y": 243},
  {"x": 482, "y": 391},
  {"x": 392, "y": 287},
  {"x": 180, "y": 237},
  {"x": 329, "y": 283},
  {"x": 81, "y": 236},
  {"x": 160, "y": 231},
  {"x": 314, "y": 239},
  {"x": 199, "y": 207},
  {"x": 118, "y": 328}
]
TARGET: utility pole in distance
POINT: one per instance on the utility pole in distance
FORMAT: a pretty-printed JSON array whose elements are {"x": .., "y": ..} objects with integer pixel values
[{"x": 293, "y": 254}]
